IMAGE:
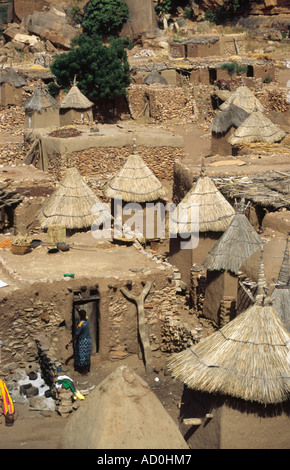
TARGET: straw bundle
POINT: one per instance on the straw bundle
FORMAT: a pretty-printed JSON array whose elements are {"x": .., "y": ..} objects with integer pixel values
[
  {"x": 215, "y": 212},
  {"x": 135, "y": 182},
  {"x": 40, "y": 100},
  {"x": 257, "y": 128},
  {"x": 12, "y": 78},
  {"x": 245, "y": 99},
  {"x": 224, "y": 120},
  {"x": 248, "y": 358},
  {"x": 75, "y": 100},
  {"x": 236, "y": 245},
  {"x": 72, "y": 203},
  {"x": 281, "y": 293}
]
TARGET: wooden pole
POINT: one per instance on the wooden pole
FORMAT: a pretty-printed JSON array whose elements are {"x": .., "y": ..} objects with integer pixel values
[{"x": 142, "y": 326}]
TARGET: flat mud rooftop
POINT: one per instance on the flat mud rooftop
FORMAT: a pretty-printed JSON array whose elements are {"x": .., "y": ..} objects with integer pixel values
[{"x": 85, "y": 258}]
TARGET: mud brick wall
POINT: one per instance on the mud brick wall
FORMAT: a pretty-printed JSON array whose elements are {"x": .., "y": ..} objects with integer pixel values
[
  {"x": 228, "y": 45},
  {"x": 99, "y": 165},
  {"x": 165, "y": 102}
]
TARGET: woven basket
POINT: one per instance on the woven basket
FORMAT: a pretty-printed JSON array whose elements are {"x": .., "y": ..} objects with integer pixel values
[{"x": 20, "y": 249}]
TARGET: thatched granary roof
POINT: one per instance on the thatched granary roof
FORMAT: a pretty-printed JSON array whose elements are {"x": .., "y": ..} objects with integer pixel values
[
  {"x": 281, "y": 293},
  {"x": 236, "y": 245},
  {"x": 40, "y": 100},
  {"x": 135, "y": 182},
  {"x": 122, "y": 412},
  {"x": 257, "y": 128},
  {"x": 248, "y": 358},
  {"x": 75, "y": 99},
  {"x": 72, "y": 203},
  {"x": 12, "y": 78},
  {"x": 231, "y": 116},
  {"x": 245, "y": 99},
  {"x": 154, "y": 77},
  {"x": 214, "y": 214}
]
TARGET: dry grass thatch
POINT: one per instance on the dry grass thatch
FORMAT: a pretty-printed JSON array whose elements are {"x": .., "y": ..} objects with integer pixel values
[
  {"x": 245, "y": 99},
  {"x": 224, "y": 120},
  {"x": 154, "y": 77},
  {"x": 236, "y": 245},
  {"x": 257, "y": 128},
  {"x": 248, "y": 358},
  {"x": 72, "y": 203},
  {"x": 135, "y": 182},
  {"x": 214, "y": 212},
  {"x": 76, "y": 100},
  {"x": 12, "y": 78},
  {"x": 40, "y": 100}
]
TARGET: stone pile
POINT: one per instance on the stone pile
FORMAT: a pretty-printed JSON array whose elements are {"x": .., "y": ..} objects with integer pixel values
[
  {"x": 177, "y": 335},
  {"x": 99, "y": 165},
  {"x": 162, "y": 102}
]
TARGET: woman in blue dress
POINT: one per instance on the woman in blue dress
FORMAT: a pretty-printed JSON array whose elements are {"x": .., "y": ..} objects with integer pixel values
[{"x": 82, "y": 344}]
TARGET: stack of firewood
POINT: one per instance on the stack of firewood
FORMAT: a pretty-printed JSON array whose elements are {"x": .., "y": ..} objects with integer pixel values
[{"x": 177, "y": 336}]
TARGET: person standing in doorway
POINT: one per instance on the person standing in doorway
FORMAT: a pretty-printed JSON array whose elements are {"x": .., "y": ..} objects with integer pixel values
[{"x": 82, "y": 344}]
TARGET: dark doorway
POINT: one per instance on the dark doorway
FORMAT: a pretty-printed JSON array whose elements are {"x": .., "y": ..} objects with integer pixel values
[{"x": 90, "y": 303}]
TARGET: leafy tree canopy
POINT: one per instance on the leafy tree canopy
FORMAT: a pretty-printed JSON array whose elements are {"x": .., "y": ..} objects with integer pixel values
[
  {"x": 102, "y": 71},
  {"x": 105, "y": 17}
]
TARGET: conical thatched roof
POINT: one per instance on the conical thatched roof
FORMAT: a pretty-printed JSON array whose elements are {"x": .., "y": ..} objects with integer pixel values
[
  {"x": 75, "y": 99},
  {"x": 154, "y": 77},
  {"x": 214, "y": 211},
  {"x": 245, "y": 99},
  {"x": 257, "y": 128},
  {"x": 248, "y": 358},
  {"x": 236, "y": 245},
  {"x": 73, "y": 205},
  {"x": 122, "y": 413},
  {"x": 224, "y": 120},
  {"x": 12, "y": 78},
  {"x": 281, "y": 293},
  {"x": 135, "y": 182},
  {"x": 40, "y": 100}
]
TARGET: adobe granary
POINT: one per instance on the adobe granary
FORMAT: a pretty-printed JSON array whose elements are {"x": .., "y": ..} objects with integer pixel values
[
  {"x": 237, "y": 380},
  {"x": 204, "y": 213},
  {"x": 41, "y": 110},
  {"x": 75, "y": 106},
  {"x": 256, "y": 128},
  {"x": 71, "y": 205},
  {"x": 11, "y": 84},
  {"x": 136, "y": 183},
  {"x": 223, "y": 264}
]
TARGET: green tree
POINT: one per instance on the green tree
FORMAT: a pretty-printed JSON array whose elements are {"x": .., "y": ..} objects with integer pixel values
[
  {"x": 102, "y": 71},
  {"x": 105, "y": 17}
]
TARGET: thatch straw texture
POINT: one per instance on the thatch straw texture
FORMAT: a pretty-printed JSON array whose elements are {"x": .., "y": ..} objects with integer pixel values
[
  {"x": 154, "y": 77},
  {"x": 236, "y": 245},
  {"x": 248, "y": 358},
  {"x": 230, "y": 117},
  {"x": 257, "y": 128},
  {"x": 76, "y": 100},
  {"x": 135, "y": 182},
  {"x": 214, "y": 212},
  {"x": 72, "y": 203},
  {"x": 40, "y": 100},
  {"x": 245, "y": 99},
  {"x": 12, "y": 78}
]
